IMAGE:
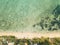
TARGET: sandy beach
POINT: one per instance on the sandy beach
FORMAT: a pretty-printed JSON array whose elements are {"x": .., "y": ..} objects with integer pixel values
[{"x": 31, "y": 35}]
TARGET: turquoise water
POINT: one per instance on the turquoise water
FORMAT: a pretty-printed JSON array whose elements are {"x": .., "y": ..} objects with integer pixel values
[{"x": 20, "y": 15}]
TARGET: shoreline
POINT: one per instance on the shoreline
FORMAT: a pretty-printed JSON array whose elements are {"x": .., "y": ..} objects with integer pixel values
[{"x": 30, "y": 35}]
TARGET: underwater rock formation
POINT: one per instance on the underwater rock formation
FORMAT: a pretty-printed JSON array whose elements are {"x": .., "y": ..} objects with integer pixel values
[{"x": 56, "y": 11}]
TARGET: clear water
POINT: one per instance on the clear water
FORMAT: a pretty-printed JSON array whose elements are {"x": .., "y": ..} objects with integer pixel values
[{"x": 20, "y": 15}]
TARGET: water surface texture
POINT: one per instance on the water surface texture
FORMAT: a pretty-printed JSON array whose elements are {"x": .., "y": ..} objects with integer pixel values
[{"x": 22, "y": 15}]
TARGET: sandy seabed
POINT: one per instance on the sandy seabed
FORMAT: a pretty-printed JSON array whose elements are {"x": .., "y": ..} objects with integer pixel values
[{"x": 31, "y": 35}]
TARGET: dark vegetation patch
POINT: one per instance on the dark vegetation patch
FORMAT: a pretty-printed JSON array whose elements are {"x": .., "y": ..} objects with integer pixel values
[
  {"x": 38, "y": 41},
  {"x": 55, "y": 22}
]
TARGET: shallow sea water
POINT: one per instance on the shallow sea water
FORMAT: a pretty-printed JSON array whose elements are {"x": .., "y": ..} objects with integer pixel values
[{"x": 20, "y": 15}]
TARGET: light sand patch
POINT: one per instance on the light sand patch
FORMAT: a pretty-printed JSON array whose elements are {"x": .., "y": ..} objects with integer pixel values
[{"x": 31, "y": 35}]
